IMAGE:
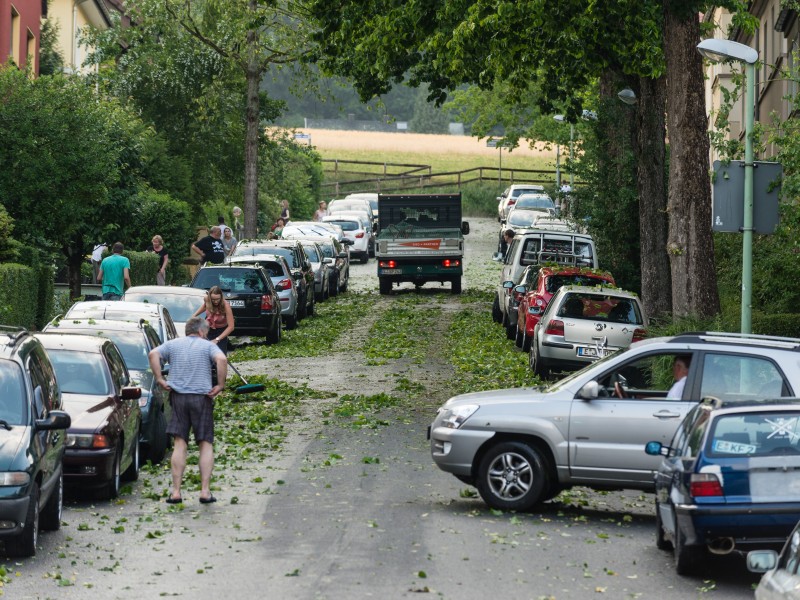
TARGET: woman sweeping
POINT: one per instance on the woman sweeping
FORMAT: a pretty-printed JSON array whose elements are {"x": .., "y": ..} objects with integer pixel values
[{"x": 219, "y": 317}]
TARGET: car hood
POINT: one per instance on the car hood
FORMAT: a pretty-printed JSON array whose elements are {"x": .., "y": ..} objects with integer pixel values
[
  {"x": 88, "y": 412},
  {"x": 503, "y": 396},
  {"x": 11, "y": 443}
]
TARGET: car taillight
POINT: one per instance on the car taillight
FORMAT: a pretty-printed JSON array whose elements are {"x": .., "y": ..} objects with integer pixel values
[
  {"x": 705, "y": 484},
  {"x": 360, "y": 234},
  {"x": 555, "y": 327},
  {"x": 512, "y": 202},
  {"x": 639, "y": 335},
  {"x": 266, "y": 302},
  {"x": 390, "y": 264},
  {"x": 283, "y": 285},
  {"x": 447, "y": 262}
]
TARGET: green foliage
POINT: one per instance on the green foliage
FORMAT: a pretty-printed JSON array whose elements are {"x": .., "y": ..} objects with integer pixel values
[
  {"x": 45, "y": 300},
  {"x": 18, "y": 295},
  {"x": 480, "y": 199},
  {"x": 144, "y": 266},
  {"x": 159, "y": 213},
  {"x": 783, "y": 325},
  {"x": 9, "y": 246},
  {"x": 427, "y": 117},
  {"x": 51, "y": 61}
]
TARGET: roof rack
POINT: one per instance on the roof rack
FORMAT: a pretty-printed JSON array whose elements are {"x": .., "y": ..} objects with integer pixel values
[
  {"x": 13, "y": 332},
  {"x": 750, "y": 338}
]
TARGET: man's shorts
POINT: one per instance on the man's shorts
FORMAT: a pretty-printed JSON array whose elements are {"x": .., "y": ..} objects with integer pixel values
[{"x": 195, "y": 411}]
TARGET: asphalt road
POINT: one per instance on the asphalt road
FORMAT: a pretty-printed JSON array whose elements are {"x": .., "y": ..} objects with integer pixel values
[{"x": 343, "y": 512}]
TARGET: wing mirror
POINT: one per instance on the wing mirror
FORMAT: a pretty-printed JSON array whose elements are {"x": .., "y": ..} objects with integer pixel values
[
  {"x": 656, "y": 449},
  {"x": 56, "y": 419},
  {"x": 589, "y": 391},
  {"x": 464, "y": 228},
  {"x": 761, "y": 561},
  {"x": 131, "y": 393},
  {"x": 327, "y": 260}
]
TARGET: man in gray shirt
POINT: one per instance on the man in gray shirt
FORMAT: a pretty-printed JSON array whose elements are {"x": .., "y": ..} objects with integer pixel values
[{"x": 192, "y": 396}]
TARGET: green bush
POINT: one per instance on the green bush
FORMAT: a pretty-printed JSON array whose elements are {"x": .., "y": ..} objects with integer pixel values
[
  {"x": 46, "y": 295},
  {"x": 160, "y": 214},
  {"x": 480, "y": 199},
  {"x": 18, "y": 295},
  {"x": 144, "y": 266},
  {"x": 786, "y": 325}
]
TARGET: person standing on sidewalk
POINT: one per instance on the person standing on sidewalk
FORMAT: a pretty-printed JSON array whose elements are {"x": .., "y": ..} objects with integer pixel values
[
  {"x": 210, "y": 248},
  {"x": 97, "y": 258},
  {"x": 163, "y": 255},
  {"x": 192, "y": 396},
  {"x": 115, "y": 273}
]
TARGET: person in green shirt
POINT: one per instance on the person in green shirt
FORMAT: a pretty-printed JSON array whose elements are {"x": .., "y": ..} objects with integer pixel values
[{"x": 115, "y": 273}]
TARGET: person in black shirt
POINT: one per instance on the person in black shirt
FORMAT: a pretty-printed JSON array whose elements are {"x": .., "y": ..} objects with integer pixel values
[
  {"x": 158, "y": 247},
  {"x": 210, "y": 247}
]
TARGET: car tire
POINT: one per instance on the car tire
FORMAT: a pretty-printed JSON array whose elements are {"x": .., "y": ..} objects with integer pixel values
[
  {"x": 510, "y": 329},
  {"x": 662, "y": 543},
  {"x": 687, "y": 558},
  {"x": 158, "y": 444},
  {"x": 50, "y": 517},
  {"x": 365, "y": 258},
  {"x": 132, "y": 472},
  {"x": 538, "y": 366},
  {"x": 455, "y": 285},
  {"x": 274, "y": 334},
  {"x": 24, "y": 544},
  {"x": 334, "y": 288},
  {"x": 290, "y": 321},
  {"x": 111, "y": 489},
  {"x": 385, "y": 286},
  {"x": 519, "y": 461},
  {"x": 497, "y": 314}
]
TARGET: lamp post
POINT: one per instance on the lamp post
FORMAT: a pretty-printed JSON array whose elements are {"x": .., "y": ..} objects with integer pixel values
[{"x": 717, "y": 50}]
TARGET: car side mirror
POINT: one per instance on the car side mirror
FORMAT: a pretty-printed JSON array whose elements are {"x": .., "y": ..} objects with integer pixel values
[
  {"x": 508, "y": 284},
  {"x": 656, "y": 449},
  {"x": 464, "y": 228},
  {"x": 761, "y": 561},
  {"x": 520, "y": 289},
  {"x": 342, "y": 255},
  {"x": 590, "y": 391},
  {"x": 131, "y": 393},
  {"x": 327, "y": 260},
  {"x": 57, "y": 419}
]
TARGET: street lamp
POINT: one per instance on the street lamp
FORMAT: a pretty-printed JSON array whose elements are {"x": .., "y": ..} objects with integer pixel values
[
  {"x": 717, "y": 50},
  {"x": 627, "y": 95}
]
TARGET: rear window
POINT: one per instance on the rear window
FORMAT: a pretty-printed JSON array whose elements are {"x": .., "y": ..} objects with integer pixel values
[
  {"x": 541, "y": 202},
  {"x": 555, "y": 282},
  {"x": 238, "y": 281},
  {"x": 346, "y": 225},
  {"x": 600, "y": 307},
  {"x": 520, "y": 191},
  {"x": 13, "y": 396},
  {"x": 258, "y": 250},
  {"x": 274, "y": 269},
  {"x": 755, "y": 434},
  {"x": 180, "y": 307}
]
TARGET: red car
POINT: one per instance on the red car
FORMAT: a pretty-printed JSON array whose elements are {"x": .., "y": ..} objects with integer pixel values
[{"x": 533, "y": 302}]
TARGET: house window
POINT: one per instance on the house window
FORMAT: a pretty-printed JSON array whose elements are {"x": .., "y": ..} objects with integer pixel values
[
  {"x": 13, "y": 52},
  {"x": 30, "y": 51}
]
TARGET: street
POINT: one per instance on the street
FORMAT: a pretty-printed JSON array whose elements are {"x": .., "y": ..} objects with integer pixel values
[{"x": 350, "y": 504}]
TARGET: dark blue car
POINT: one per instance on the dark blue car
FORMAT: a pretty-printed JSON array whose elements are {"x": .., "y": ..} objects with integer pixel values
[{"x": 730, "y": 479}]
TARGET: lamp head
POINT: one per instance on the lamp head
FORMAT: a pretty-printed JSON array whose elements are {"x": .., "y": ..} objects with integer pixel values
[
  {"x": 717, "y": 50},
  {"x": 628, "y": 96}
]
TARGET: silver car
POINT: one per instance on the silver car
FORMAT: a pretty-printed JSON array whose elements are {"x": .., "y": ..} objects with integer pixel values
[
  {"x": 523, "y": 446},
  {"x": 582, "y": 324},
  {"x": 281, "y": 276}
]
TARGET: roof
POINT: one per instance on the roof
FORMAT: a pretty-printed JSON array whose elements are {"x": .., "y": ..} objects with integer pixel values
[
  {"x": 94, "y": 324},
  {"x": 71, "y": 341},
  {"x": 161, "y": 290},
  {"x": 597, "y": 289},
  {"x": 752, "y": 404},
  {"x": 101, "y": 306},
  {"x": 740, "y": 339}
]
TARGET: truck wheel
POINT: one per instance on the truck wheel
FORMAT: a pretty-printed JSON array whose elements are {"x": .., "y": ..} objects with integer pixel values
[
  {"x": 385, "y": 286},
  {"x": 497, "y": 314},
  {"x": 455, "y": 286}
]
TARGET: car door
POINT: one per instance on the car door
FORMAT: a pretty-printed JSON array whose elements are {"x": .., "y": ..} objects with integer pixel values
[
  {"x": 127, "y": 409},
  {"x": 46, "y": 398},
  {"x": 607, "y": 435}
]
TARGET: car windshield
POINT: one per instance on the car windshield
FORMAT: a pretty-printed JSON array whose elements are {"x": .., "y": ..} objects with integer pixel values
[
  {"x": 259, "y": 250},
  {"x": 80, "y": 372},
  {"x": 312, "y": 254},
  {"x": 755, "y": 434},
  {"x": 347, "y": 225},
  {"x": 132, "y": 345},
  {"x": 180, "y": 306},
  {"x": 534, "y": 202},
  {"x": 13, "y": 395},
  {"x": 600, "y": 307}
]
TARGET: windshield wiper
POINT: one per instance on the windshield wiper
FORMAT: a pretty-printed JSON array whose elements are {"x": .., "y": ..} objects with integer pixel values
[{"x": 4, "y": 424}]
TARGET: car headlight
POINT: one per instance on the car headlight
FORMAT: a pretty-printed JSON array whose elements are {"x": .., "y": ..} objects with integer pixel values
[
  {"x": 455, "y": 417},
  {"x": 87, "y": 440},
  {"x": 14, "y": 479}
]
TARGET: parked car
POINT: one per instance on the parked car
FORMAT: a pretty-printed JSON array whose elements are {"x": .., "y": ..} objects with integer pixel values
[
  {"x": 32, "y": 448},
  {"x": 103, "y": 439},
  {"x": 508, "y": 198},
  {"x": 365, "y": 218},
  {"x": 337, "y": 259},
  {"x": 156, "y": 314},
  {"x": 282, "y": 280},
  {"x": 781, "y": 580},
  {"x": 180, "y": 301},
  {"x": 548, "y": 281},
  {"x": 134, "y": 341},
  {"x": 729, "y": 480},
  {"x": 248, "y": 289},
  {"x": 371, "y": 197},
  {"x": 514, "y": 291},
  {"x": 520, "y": 447},
  {"x": 355, "y": 232},
  {"x": 538, "y": 247},
  {"x": 582, "y": 324},
  {"x": 292, "y": 251},
  {"x": 535, "y": 201}
]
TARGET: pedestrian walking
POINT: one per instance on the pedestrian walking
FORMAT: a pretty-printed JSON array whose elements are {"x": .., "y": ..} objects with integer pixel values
[
  {"x": 115, "y": 273},
  {"x": 210, "y": 248},
  {"x": 219, "y": 316},
  {"x": 158, "y": 247},
  {"x": 192, "y": 394}
]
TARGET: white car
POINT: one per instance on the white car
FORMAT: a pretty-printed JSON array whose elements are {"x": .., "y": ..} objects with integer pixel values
[
  {"x": 371, "y": 197},
  {"x": 180, "y": 301},
  {"x": 508, "y": 198},
  {"x": 353, "y": 227}
]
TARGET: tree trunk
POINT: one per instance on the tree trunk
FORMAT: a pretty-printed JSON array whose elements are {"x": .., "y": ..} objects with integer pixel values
[
  {"x": 74, "y": 253},
  {"x": 252, "y": 135},
  {"x": 652, "y": 188},
  {"x": 689, "y": 244}
]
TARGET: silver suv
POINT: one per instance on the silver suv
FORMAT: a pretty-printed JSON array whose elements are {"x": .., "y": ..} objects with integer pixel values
[{"x": 522, "y": 446}]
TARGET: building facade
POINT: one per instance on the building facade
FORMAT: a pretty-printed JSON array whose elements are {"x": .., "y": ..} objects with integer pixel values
[
  {"x": 20, "y": 32},
  {"x": 72, "y": 16}
]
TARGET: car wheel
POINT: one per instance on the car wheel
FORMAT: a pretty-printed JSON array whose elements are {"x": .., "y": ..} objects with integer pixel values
[
  {"x": 512, "y": 476},
  {"x": 334, "y": 287},
  {"x": 662, "y": 543},
  {"x": 274, "y": 334},
  {"x": 538, "y": 366},
  {"x": 111, "y": 490},
  {"x": 365, "y": 258},
  {"x": 158, "y": 445},
  {"x": 132, "y": 472},
  {"x": 510, "y": 329},
  {"x": 25, "y": 543},
  {"x": 50, "y": 519},
  {"x": 687, "y": 558},
  {"x": 497, "y": 314},
  {"x": 290, "y": 321},
  {"x": 455, "y": 285},
  {"x": 385, "y": 286}
]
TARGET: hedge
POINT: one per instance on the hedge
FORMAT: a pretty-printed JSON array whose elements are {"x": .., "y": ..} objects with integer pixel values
[
  {"x": 19, "y": 296},
  {"x": 784, "y": 325}
]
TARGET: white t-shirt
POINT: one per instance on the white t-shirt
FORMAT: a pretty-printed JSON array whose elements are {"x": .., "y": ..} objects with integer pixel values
[
  {"x": 676, "y": 391},
  {"x": 97, "y": 253}
]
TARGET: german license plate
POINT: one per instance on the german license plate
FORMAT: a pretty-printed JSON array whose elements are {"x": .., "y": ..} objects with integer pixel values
[
  {"x": 236, "y": 303},
  {"x": 391, "y": 271},
  {"x": 775, "y": 485},
  {"x": 587, "y": 352}
]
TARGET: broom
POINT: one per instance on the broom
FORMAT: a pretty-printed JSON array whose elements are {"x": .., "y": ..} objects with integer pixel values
[{"x": 247, "y": 388}]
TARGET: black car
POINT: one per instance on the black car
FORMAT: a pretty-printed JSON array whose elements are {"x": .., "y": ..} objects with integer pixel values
[
  {"x": 292, "y": 251},
  {"x": 253, "y": 299},
  {"x": 31, "y": 445},
  {"x": 134, "y": 340}
]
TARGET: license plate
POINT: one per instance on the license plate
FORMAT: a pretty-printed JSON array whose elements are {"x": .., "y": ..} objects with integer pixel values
[
  {"x": 775, "y": 485},
  {"x": 587, "y": 352},
  {"x": 236, "y": 303},
  {"x": 391, "y": 271}
]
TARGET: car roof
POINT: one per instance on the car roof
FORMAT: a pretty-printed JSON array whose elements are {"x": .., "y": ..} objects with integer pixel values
[
  {"x": 571, "y": 270},
  {"x": 72, "y": 341},
  {"x": 553, "y": 232},
  {"x": 100, "y": 306},
  {"x": 749, "y": 405},
  {"x": 89, "y": 323},
  {"x": 596, "y": 289},
  {"x": 164, "y": 290}
]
